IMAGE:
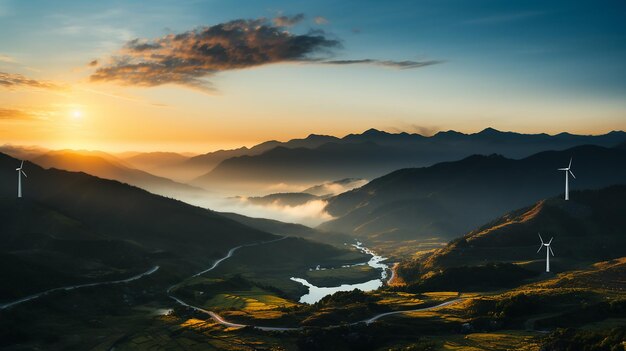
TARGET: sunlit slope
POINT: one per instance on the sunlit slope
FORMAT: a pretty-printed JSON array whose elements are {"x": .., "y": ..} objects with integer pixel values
[
  {"x": 590, "y": 227},
  {"x": 503, "y": 253}
]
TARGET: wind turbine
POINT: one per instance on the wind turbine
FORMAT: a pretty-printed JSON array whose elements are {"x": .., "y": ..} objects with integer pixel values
[
  {"x": 548, "y": 251},
  {"x": 567, "y": 173},
  {"x": 19, "y": 179}
]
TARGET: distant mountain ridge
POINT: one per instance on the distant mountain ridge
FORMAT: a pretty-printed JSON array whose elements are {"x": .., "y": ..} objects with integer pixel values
[
  {"x": 373, "y": 153},
  {"x": 450, "y": 198},
  {"x": 106, "y": 166}
]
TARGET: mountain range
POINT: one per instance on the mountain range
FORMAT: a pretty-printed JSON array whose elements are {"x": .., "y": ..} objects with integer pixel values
[
  {"x": 301, "y": 162},
  {"x": 105, "y": 165},
  {"x": 106, "y": 226},
  {"x": 451, "y": 198},
  {"x": 373, "y": 153}
]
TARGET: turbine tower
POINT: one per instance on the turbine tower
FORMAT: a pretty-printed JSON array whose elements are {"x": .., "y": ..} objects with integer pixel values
[
  {"x": 548, "y": 251},
  {"x": 19, "y": 179},
  {"x": 567, "y": 173}
]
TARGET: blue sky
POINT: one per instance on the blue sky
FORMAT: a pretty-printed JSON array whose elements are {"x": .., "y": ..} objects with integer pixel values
[{"x": 522, "y": 65}]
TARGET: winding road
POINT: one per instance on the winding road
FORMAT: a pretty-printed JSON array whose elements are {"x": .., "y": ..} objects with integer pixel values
[
  {"x": 219, "y": 319},
  {"x": 214, "y": 315},
  {"x": 73, "y": 287}
]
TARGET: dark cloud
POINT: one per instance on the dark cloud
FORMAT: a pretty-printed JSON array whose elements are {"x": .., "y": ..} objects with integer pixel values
[
  {"x": 13, "y": 81},
  {"x": 190, "y": 57},
  {"x": 287, "y": 21},
  {"x": 93, "y": 63},
  {"x": 385, "y": 63},
  {"x": 6, "y": 113}
]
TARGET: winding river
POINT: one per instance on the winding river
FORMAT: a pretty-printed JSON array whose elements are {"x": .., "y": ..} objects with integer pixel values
[
  {"x": 316, "y": 293},
  {"x": 374, "y": 262}
]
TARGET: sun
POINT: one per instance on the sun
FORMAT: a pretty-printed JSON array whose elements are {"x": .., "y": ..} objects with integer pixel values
[{"x": 77, "y": 114}]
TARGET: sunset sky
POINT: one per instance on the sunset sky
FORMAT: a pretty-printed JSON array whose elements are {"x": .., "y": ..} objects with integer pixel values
[{"x": 200, "y": 75}]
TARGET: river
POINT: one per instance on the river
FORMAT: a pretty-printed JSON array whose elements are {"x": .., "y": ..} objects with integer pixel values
[{"x": 316, "y": 293}]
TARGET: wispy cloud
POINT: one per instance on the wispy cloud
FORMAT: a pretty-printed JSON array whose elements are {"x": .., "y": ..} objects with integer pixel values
[
  {"x": 18, "y": 114},
  {"x": 189, "y": 58},
  {"x": 505, "y": 17},
  {"x": 6, "y": 58},
  {"x": 384, "y": 63},
  {"x": 288, "y": 21},
  {"x": 7, "y": 113},
  {"x": 14, "y": 81}
]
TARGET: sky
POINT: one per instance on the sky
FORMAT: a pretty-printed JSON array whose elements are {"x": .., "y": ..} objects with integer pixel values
[{"x": 202, "y": 75}]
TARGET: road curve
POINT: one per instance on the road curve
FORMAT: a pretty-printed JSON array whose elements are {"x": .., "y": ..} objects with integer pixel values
[
  {"x": 214, "y": 315},
  {"x": 379, "y": 316},
  {"x": 219, "y": 319},
  {"x": 72, "y": 287}
]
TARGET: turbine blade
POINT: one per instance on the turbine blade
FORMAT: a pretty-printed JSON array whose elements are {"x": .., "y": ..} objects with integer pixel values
[
  {"x": 22, "y": 164},
  {"x": 570, "y": 172},
  {"x": 552, "y": 252},
  {"x": 570, "y": 163},
  {"x": 550, "y": 242},
  {"x": 24, "y": 174},
  {"x": 540, "y": 246},
  {"x": 540, "y": 238},
  {"x": 562, "y": 169}
]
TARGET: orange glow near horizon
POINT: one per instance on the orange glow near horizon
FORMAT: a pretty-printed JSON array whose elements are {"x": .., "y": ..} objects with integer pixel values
[{"x": 117, "y": 119}]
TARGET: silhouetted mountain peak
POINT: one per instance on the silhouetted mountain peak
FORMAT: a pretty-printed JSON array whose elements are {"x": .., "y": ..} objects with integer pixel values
[
  {"x": 490, "y": 131},
  {"x": 373, "y": 132},
  {"x": 448, "y": 133},
  {"x": 318, "y": 136}
]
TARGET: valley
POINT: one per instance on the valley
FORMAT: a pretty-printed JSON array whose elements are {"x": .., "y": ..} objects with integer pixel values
[{"x": 126, "y": 269}]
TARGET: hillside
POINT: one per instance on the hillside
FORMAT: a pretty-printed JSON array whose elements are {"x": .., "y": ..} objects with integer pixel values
[
  {"x": 373, "y": 153},
  {"x": 451, "y": 198},
  {"x": 289, "y": 229},
  {"x": 209, "y": 160},
  {"x": 43, "y": 248},
  {"x": 587, "y": 229},
  {"x": 115, "y": 211}
]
